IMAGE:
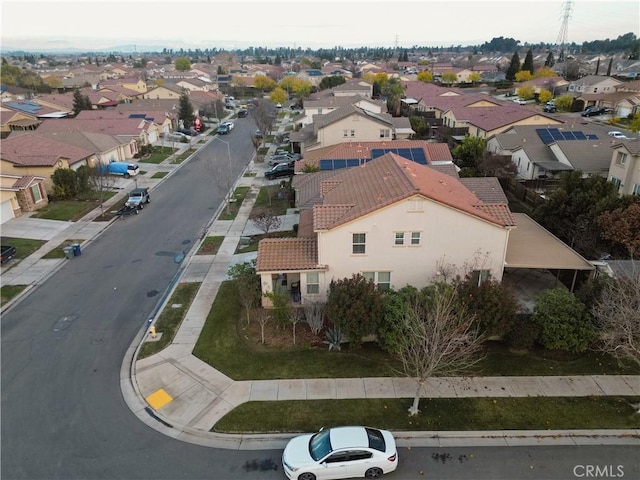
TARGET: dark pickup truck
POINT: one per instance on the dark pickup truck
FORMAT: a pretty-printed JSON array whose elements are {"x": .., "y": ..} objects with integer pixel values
[{"x": 8, "y": 252}]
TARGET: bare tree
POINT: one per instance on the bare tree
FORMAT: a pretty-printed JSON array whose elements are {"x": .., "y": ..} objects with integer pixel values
[
  {"x": 101, "y": 182},
  {"x": 296, "y": 317},
  {"x": 262, "y": 316},
  {"x": 314, "y": 313},
  {"x": 266, "y": 221},
  {"x": 618, "y": 315},
  {"x": 441, "y": 338}
]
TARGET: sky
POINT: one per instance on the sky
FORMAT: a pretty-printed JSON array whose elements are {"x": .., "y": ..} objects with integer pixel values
[{"x": 228, "y": 24}]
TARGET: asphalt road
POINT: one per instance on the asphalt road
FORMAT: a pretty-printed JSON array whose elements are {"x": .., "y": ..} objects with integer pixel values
[{"x": 63, "y": 415}]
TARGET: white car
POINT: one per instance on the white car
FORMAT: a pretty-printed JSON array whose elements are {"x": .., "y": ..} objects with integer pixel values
[
  {"x": 616, "y": 134},
  {"x": 229, "y": 124},
  {"x": 340, "y": 452},
  {"x": 520, "y": 101}
]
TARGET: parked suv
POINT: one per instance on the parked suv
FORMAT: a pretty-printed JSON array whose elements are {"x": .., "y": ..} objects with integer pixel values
[
  {"x": 550, "y": 108},
  {"x": 280, "y": 170}
]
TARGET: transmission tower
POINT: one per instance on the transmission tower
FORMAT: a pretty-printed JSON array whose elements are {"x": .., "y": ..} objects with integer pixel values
[{"x": 564, "y": 28}]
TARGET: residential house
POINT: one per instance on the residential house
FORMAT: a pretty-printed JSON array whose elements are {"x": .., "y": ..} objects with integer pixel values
[
  {"x": 593, "y": 84},
  {"x": 394, "y": 221},
  {"x": 168, "y": 91},
  {"x": 354, "y": 154},
  {"x": 329, "y": 103},
  {"x": 196, "y": 85},
  {"x": 139, "y": 129},
  {"x": 32, "y": 154},
  {"x": 347, "y": 123},
  {"x": 624, "y": 170},
  {"x": 20, "y": 194},
  {"x": 541, "y": 151},
  {"x": 164, "y": 120},
  {"x": 12, "y": 120}
]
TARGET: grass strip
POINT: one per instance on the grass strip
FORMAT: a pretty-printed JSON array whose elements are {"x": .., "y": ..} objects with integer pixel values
[
  {"x": 439, "y": 414},
  {"x": 170, "y": 318}
]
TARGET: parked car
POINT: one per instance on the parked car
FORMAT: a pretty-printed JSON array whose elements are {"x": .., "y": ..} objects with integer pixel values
[
  {"x": 284, "y": 157},
  {"x": 138, "y": 197},
  {"x": 520, "y": 101},
  {"x": 191, "y": 132},
  {"x": 223, "y": 129},
  {"x": 616, "y": 134},
  {"x": 550, "y": 108},
  {"x": 230, "y": 125},
  {"x": 340, "y": 452},
  {"x": 7, "y": 253},
  {"x": 280, "y": 170},
  {"x": 592, "y": 111},
  {"x": 278, "y": 105},
  {"x": 258, "y": 134},
  {"x": 243, "y": 113}
]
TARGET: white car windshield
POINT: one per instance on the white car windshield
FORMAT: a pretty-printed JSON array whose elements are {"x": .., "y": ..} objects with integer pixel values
[{"x": 320, "y": 445}]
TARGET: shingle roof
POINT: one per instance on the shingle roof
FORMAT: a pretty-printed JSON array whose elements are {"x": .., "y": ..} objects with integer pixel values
[{"x": 487, "y": 189}]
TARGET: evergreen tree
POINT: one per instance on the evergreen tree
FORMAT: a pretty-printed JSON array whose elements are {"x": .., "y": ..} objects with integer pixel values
[
  {"x": 609, "y": 67},
  {"x": 635, "y": 51},
  {"x": 528, "y": 62},
  {"x": 514, "y": 67},
  {"x": 186, "y": 109},
  {"x": 80, "y": 102},
  {"x": 550, "y": 61}
]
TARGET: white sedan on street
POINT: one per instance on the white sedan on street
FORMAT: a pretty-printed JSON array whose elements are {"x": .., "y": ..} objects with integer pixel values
[{"x": 340, "y": 452}]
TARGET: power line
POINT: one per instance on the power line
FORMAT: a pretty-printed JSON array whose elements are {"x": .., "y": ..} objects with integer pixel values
[{"x": 563, "y": 35}]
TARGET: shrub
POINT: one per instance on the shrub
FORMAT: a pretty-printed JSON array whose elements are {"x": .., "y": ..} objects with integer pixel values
[
  {"x": 524, "y": 332},
  {"x": 564, "y": 321}
]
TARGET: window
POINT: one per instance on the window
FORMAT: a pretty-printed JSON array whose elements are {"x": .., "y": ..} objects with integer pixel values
[
  {"x": 616, "y": 181},
  {"x": 636, "y": 189},
  {"x": 621, "y": 159},
  {"x": 399, "y": 238},
  {"x": 359, "y": 243},
  {"x": 313, "y": 283},
  {"x": 385, "y": 133},
  {"x": 479, "y": 276},
  {"x": 415, "y": 238},
  {"x": 35, "y": 193},
  {"x": 345, "y": 133},
  {"x": 382, "y": 280}
]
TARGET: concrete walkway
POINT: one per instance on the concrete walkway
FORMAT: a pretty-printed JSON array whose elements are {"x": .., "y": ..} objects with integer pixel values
[{"x": 181, "y": 396}]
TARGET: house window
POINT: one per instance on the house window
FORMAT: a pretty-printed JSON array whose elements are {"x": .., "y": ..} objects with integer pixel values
[
  {"x": 313, "y": 283},
  {"x": 345, "y": 133},
  {"x": 415, "y": 238},
  {"x": 359, "y": 243},
  {"x": 616, "y": 181},
  {"x": 621, "y": 158},
  {"x": 353, "y": 133},
  {"x": 382, "y": 280},
  {"x": 35, "y": 193},
  {"x": 636, "y": 189},
  {"x": 399, "y": 238},
  {"x": 479, "y": 276},
  {"x": 385, "y": 133},
  {"x": 415, "y": 205}
]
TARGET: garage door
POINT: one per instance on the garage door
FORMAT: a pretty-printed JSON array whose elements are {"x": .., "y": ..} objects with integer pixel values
[{"x": 6, "y": 212}]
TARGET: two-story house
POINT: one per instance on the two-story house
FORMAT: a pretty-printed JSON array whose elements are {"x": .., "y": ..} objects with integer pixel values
[
  {"x": 624, "y": 170},
  {"x": 392, "y": 220},
  {"x": 345, "y": 124}
]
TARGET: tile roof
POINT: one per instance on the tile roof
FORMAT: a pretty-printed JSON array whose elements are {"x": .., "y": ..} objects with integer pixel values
[
  {"x": 283, "y": 254},
  {"x": 389, "y": 179},
  {"x": 111, "y": 126},
  {"x": 35, "y": 150},
  {"x": 487, "y": 189}
]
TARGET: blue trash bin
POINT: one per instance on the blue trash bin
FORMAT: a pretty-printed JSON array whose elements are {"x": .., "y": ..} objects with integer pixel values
[{"x": 76, "y": 249}]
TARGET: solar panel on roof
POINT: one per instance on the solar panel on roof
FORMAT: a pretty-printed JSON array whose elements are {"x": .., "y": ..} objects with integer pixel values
[
  {"x": 326, "y": 165},
  {"x": 419, "y": 156},
  {"x": 568, "y": 136},
  {"x": 353, "y": 162},
  {"x": 580, "y": 136},
  {"x": 342, "y": 163},
  {"x": 592, "y": 137},
  {"x": 556, "y": 134},
  {"x": 377, "y": 152}
]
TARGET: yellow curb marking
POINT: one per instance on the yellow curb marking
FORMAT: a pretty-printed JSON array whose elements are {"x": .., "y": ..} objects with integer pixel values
[{"x": 159, "y": 399}]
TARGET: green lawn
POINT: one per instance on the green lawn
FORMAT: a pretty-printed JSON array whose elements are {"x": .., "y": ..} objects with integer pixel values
[
  {"x": 8, "y": 292},
  {"x": 231, "y": 210},
  {"x": 442, "y": 414},
  {"x": 159, "y": 174},
  {"x": 210, "y": 245},
  {"x": 158, "y": 156},
  {"x": 171, "y": 317},
  {"x": 268, "y": 199},
  {"x": 66, "y": 210},
  {"x": 24, "y": 246}
]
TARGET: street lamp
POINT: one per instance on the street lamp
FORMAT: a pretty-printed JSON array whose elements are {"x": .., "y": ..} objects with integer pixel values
[{"x": 229, "y": 197}]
